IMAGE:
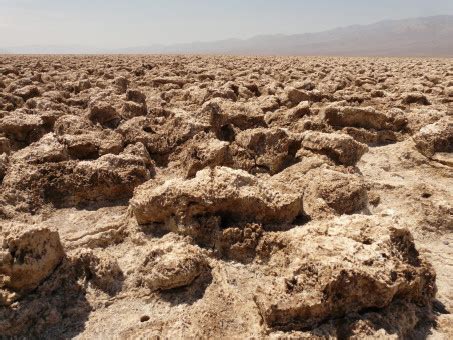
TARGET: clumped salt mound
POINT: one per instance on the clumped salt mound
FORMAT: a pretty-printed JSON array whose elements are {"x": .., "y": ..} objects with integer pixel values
[
  {"x": 22, "y": 128},
  {"x": 69, "y": 183},
  {"x": 330, "y": 193},
  {"x": 341, "y": 148},
  {"x": 221, "y": 191},
  {"x": 172, "y": 264},
  {"x": 436, "y": 140},
  {"x": 161, "y": 135},
  {"x": 263, "y": 150},
  {"x": 308, "y": 189},
  {"x": 227, "y": 118},
  {"x": 203, "y": 150},
  {"x": 288, "y": 117},
  {"x": 415, "y": 98},
  {"x": 364, "y": 117},
  {"x": 3, "y": 165},
  {"x": 28, "y": 255},
  {"x": 348, "y": 265},
  {"x": 101, "y": 270}
]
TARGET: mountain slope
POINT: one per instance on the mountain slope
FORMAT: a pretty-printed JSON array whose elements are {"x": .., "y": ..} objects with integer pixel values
[{"x": 429, "y": 36}]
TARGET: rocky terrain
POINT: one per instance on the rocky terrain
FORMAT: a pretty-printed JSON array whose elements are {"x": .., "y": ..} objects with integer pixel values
[{"x": 226, "y": 197}]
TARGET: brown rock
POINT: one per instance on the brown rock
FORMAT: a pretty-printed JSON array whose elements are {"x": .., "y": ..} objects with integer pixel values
[
  {"x": 263, "y": 150},
  {"x": 350, "y": 265},
  {"x": 103, "y": 113},
  {"x": 171, "y": 264},
  {"x": 28, "y": 255},
  {"x": 334, "y": 193},
  {"x": 435, "y": 138},
  {"x": 415, "y": 98},
  {"x": 364, "y": 117},
  {"x": 221, "y": 191},
  {"x": 341, "y": 148}
]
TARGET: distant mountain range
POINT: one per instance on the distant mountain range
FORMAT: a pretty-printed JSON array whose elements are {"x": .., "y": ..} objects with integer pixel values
[{"x": 428, "y": 36}]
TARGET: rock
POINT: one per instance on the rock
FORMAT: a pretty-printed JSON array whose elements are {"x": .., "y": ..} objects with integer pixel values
[
  {"x": 435, "y": 138},
  {"x": 136, "y": 96},
  {"x": 92, "y": 144},
  {"x": 161, "y": 135},
  {"x": 331, "y": 192},
  {"x": 341, "y": 148},
  {"x": 268, "y": 103},
  {"x": 22, "y": 128},
  {"x": 351, "y": 264},
  {"x": 263, "y": 150},
  {"x": 227, "y": 118},
  {"x": 71, "y": 183},
  {"x": 101, "y": 270},
  {"x": 133, "y": 109},
  {"x": 202, "y": 151},
  {"x": 449, "y": 91},
  {"x": 83, "y": 85},
  {"x": 72, "y": 125},
  {"x": 10, "y": 102},
  {"x": 3, "y": 165},
  {"x": 288, "y": 117},
  {"x": 364, "y": 117},
  {"x": 47, "y": 149},
  {"x": 103, "y": 113},
  {"x": 28, "y": 255},
  {"x": 110, "y": 177},
  {"x": 121, "y": 85},
  {"x": 27, "y": 92},
  {"x": 415, "y": 98},
  {"x": 372, "y": 138},
  {"x": 5, "y": 146},
  {"x": 234, "y": 195},
  {"x": 239, "y": 243},
  {"x": 173, "y": 263},
  {"x": 158, "y": 81},
  {"x": 296, "y": 96}
]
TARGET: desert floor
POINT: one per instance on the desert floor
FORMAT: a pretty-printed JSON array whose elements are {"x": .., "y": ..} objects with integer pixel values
[{"x": 226, "y": 197}]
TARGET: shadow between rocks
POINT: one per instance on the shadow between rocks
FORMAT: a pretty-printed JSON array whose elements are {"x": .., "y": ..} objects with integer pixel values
[
  {"x": 190, "y": 294},
  {"x": 57, "y": 309}
]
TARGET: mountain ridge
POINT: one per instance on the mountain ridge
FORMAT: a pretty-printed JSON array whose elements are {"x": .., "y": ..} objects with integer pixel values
[{"x": 425, "y": 36}]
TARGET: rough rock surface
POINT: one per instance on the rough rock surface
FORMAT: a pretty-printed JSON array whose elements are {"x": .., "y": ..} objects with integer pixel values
[
  {"x": 171, "y": 265},
  {"x": 349, "y": 265},
  {"x": 222, "y": 191},
  {"x": 28, "y": 256},
  {"x": 340, "y": 148},
  {"x": 436, "y": 140},
  {"x": 225, "y": 197}
]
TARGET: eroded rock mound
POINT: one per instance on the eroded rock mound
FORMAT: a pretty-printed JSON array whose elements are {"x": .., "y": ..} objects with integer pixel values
[
  {"x": 436, "y": 140},
  {"x": 364, "y": 117},
  {"x": 222, "y": 191},
  {"x": 349, "y": 265},
  {"x": 341, "y": 148},
  {"x": 27, "y": 257},
  {"x": 263, "y": 150},
  {"x": 331, "y": 192},
  {"x": 228, "y": 118},
  {"x": 172, "y": 264},
  {"x": 202, "y": 151},
  {"x": 69, "y": 183}
]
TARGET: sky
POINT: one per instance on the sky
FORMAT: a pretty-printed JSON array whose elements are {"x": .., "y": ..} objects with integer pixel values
[{"x": 130, "y": 23}]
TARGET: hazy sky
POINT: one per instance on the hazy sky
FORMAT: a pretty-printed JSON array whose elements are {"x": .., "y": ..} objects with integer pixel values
[{"x": 115, "y": 23}]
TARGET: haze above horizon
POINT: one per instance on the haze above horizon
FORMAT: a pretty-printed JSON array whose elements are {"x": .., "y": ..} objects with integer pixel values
[{"x": 117, "y": 24}]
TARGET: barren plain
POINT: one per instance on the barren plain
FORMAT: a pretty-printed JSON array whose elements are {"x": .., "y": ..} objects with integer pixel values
[{"x": 226, "y": 197}]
